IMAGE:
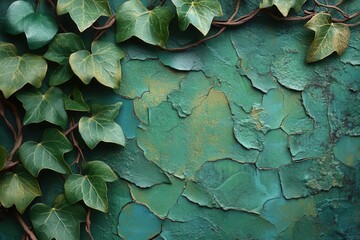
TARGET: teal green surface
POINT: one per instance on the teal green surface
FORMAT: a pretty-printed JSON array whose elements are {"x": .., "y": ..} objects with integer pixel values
[{"x": 237, "y": 138}]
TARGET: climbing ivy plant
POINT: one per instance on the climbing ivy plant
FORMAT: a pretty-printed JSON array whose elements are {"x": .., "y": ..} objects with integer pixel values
[{"x": 57, "y": 51}]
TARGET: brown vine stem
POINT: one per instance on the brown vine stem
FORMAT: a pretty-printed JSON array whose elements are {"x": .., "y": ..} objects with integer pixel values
[
  {"x": 333, "y": 7},
  {"x": 101, "y": 30},
  {"x": 72, "y": 128},
  {"x": 88, "y": 224},
  {"x": 210, "y": 37},
  {"x": 352, "y": 16},
  {"x": 24, "y": 226},
  {"x": 7, "y": 122},
  {"x": 307, "y": 17}
]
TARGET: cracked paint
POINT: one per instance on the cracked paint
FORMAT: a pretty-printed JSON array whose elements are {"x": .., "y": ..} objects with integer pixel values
[{"x": 237, "y": 138}]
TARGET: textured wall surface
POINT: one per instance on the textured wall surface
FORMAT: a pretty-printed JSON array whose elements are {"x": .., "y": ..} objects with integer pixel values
[{"x": 237, "y": 138}]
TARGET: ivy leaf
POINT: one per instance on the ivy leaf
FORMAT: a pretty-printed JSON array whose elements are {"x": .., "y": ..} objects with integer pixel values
[
  {"x": 47, "y": 154},
  {"x": 44, "y": 107},
  {"x": 101, "y": 126},
  {"x": 151, "y": 26},
  {"x": 60, "y": 49},
  {"x": 103, "y": 64},
  {"x": 62, "y": 221},
  {"x": 199, "y": 13},
  {"x": 84, "y": 12},
  {"x": 284, "y": 6},
  {"x": 18, "y": 189},
  {"x": 329, "y": 37},
  {"x": 38, "y": 27},
  {"x": 19, "y": 70},
  {"x": 3, "y": 157},
  {"x": 76, "y": 102},
  {"x": 90, "y": 187}
]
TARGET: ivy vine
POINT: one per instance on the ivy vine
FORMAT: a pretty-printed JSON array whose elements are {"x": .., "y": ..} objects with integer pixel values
[{"x": 73, "y": 122}]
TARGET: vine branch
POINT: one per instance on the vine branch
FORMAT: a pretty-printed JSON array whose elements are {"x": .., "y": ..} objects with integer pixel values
[{"x": 24, "y": 226}]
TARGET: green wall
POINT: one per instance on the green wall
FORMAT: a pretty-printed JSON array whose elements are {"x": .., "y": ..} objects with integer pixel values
[{"x": 237, "y": 138}]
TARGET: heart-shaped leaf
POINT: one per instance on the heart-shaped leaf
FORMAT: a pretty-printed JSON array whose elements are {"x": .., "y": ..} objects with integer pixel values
[
  {"x": 47, "y": 154},
  {"x": 199, "y": 13},
  {"x": 60, "y": 49},
  {"x": 44, "y": 107},
  {"x": 284, "y": 6},
  {"x": 151, "y": 26},
  {"x": 38, "y": 27},
  {"x": 3, "y": 157},
  {"x": 62, "y": 221},
  {"x": 103, "y": 64},
  {"x": 84, "y": 12},
  {"x": 19, "y": 70},
  {"x": 76, "y": 102},
  {"x": 18, "y": 188},
  {"x": 90, "y": 187},
  {"x": 101, "y": 126},
  {"x": 329, "y": 37}
]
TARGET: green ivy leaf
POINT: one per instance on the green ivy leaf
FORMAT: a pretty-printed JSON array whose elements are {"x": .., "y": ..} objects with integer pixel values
[
  {"x": 3, "y": 157},
  {"x": 101, "y": 126},
  {"x": 60, "y": 49},
  {"x": 151, "y": 26},
  {"x": 18, "y": 188},
  {"x": 90, "y": 187},
  {"x": 199, "y": 13},
  {"x": 284, "y": 6},
  {"x": 47, "y": 154},
  {"x": 76, "y": 102},
  {"x": 62, "y": 221},
  {"x": 329, "y": 37},
  {"x": 38, "y": 27},
  {"x": 103, "y": 64},
  {"x": 19, "y": 70},
  {"x": 44, "y": 107},
  {"x": 84, "y": 12}
]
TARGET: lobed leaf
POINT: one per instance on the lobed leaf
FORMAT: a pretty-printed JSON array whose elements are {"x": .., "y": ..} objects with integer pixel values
[
  {"x": 284, "y": 6},
  {"x": 39, "y": 28},
  {"x": 60, "y": 49},
  {"x": 103, "y": 64},
  {"x": 44, "y": 107},
  {"x": 76, "y": 102},
  {"x": 18, "y": 188},
  {"x": 90, "y": 187},
  {"x": 151, "y": 26},
  {"x": 199, "y": 13},
  {"x": 59, "y": 222},
  {"x": 101, "y": 126},
  {"x": 47, "y": 154},
  {"x": 19, "y": 70},
  {"x": 84, "y": 12},
  {"x": 329, "y": 37}
]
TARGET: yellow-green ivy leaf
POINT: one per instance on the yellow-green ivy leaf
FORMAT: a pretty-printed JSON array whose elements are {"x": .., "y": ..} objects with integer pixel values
[
  {"x": 284, "y": 6},
  {"x": 91, "y": 186},
  {"x": 76, "y": 102},
  {"x": 199, "y": 13},
  {"x": 47, "y": 154},
  {"x": 100, "y": 127},
  {"x": 84, "y": 12},
  {"x": 103, "y": 63},
  {"x": 329, "y": 37},
  {"x": 18, "y": 188},
  {"x": 19, "y": 70},
  {"x": 151, "y": 26},
  {"x": 62, "y": 221},
  {"x": 44, "y": 107}
]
